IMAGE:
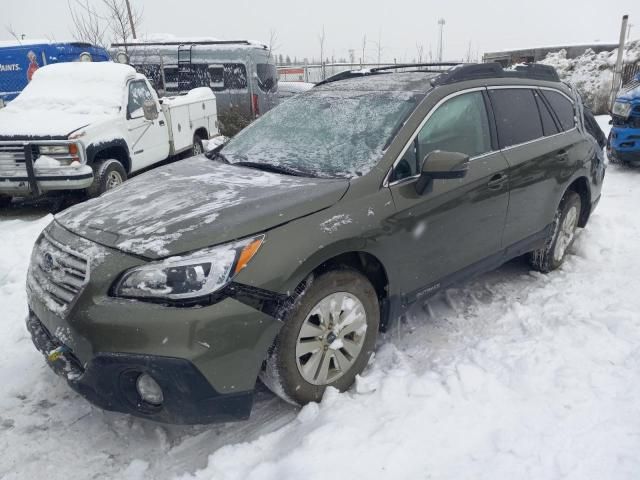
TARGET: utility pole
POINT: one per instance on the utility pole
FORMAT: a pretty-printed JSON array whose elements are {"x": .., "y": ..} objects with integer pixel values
[
  {"x": 617, "y": 73},
  {"x": 133, "y": 27},
  {"x": 441, "y": 23}
]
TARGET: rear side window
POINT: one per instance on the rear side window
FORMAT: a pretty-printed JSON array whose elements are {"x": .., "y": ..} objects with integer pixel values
[
  {"x": 563, "y": 108},
  {"x": 267, "y": 77},
  {"x": 549, "y": 126},
  {"x": 228, "y": 76},
  {"x": 516, "y": 115}
]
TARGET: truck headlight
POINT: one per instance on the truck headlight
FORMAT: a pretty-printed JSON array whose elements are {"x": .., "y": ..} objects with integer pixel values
[
  {"x": 65, "y": 153},
  {"x": 621, "y": 109},
  {"x": 196, "y": 275},
  {"x": 54, "y": 149}
]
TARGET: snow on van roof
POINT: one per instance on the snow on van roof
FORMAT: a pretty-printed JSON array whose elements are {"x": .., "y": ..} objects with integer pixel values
[
  {"x": 35, "y": 41},
  {"x": 66, "y": 96}
]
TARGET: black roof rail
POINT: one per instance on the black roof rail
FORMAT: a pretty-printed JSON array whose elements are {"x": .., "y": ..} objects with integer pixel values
[
  {"x": 183, "y": 42},
  {"x": 457, "y": 72},
  {"x": 475, "y": 71}
]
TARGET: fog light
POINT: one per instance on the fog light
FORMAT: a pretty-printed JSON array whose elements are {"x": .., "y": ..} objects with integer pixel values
[{"x": 149, "y": 390}]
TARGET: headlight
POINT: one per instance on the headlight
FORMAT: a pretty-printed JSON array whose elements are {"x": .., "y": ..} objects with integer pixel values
[
  {"x": 196, "y": 275},
  {"x": 621, "y": 109},
  {"x": 54, "y": 149}
]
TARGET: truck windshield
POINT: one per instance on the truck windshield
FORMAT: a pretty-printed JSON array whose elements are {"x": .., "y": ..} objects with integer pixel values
[{"x": 325, "y": 133}]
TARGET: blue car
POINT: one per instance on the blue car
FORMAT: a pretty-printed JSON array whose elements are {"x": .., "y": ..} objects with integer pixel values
[
  {"x": 624, "y": 140},
  {"x": 19, "y": 61}
]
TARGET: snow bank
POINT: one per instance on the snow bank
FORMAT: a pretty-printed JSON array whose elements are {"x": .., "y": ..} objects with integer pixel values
[
  {"x": 592, "y": 73},
  {"x": 66, "y": 96}
]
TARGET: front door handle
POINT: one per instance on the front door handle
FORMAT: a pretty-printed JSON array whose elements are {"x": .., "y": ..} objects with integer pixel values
[
  {"x": 497, "y": 181},
  {"x": 161, "y": 122}
]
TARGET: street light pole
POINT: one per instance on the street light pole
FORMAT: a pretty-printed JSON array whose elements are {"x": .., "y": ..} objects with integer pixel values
[
  {"x": 133, "y": 27},
  {"x": 617, "y": 73},
  {"x": 441, "y": 22}
]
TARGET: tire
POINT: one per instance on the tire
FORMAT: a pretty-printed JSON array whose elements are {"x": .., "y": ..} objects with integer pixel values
[
  {"x": 297, "y": 377},
  {"x": 565, "y": 224},
  {"x": 5, "y": 201},
  {"x": 107, "y": 174},
  {"x": 198, "y": 147}
]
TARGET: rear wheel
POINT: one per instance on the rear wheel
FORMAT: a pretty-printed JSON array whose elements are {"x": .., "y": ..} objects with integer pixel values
[
  {"x": 197, "y": 148},
  {"x": 563, "y": 232},
  {"x": 107, "y": 175},
  {"x": 327, "y": 338}
]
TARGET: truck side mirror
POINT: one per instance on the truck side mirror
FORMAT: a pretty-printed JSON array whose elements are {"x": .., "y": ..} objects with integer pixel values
[
  {"x": 150, "y": 110},
  {"x": 439, "y": 165}
]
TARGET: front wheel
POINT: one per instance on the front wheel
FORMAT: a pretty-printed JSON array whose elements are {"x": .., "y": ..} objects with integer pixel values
[
  {"x": 563, "y": 232},
  {"x": 327, "y": 338},
  {"x": 107, "y": 175}
]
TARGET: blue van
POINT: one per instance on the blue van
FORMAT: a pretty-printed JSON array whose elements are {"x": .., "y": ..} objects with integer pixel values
[
  {"x": 624, "y": 140},
  {"x": 18, "y": 61}
]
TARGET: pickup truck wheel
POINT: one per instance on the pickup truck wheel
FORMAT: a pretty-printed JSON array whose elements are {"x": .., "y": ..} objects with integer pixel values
[
  {"x": 327, "y": 338},
  {"x": 107, "y": 174},
  {"x": 198, "y": 147},
  {"x": 562, "y": 235}
]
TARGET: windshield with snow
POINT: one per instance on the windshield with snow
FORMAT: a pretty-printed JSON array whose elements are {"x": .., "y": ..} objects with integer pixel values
[{"x": 324, "y": 133}]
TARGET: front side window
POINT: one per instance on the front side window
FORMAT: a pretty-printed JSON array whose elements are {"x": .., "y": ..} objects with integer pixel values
[
  {"x": 563, "y": 108},
  {"x": 338, "y": 134},
  {"x": 517, "y": 116},
  {"x": 459, "y": 125},
  {"x": 138, "y": 93},
  {"x": 267, "y": 77}
]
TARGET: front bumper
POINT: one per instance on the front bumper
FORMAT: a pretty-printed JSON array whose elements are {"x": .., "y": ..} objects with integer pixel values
[
  {"x": 206, "y": 359},
  {"x": 20, "y": 173},
  {"x": 108, "y": 381},
  {"x": 624, "y": 145}
]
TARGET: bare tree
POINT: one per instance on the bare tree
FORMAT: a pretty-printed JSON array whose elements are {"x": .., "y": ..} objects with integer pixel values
[
  {"x": 89, "y": 25},
  {"x": 321, "y": 38},
  {"x": 420, "y": 49},
  {"x": 273, "y": 42},
  {"x": 115, "y": 21},
  {"x": 11, "y": 31}
]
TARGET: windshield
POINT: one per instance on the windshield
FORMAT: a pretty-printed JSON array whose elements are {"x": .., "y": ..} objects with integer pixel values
[{"x": 325, "y": 133}]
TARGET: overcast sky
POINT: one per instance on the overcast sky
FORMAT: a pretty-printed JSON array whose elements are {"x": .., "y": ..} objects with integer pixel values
[{"x": 399, "y": 24}]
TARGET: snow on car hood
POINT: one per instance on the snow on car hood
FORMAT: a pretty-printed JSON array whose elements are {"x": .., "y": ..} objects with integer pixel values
[{"x": 196, "y": 203}]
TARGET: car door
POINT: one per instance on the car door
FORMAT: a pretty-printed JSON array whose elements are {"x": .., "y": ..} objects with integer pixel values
[
  {"x": 537, "y": 152},
  {"x": 458, "y": 223},
  {"x": 148, "y": 139}
]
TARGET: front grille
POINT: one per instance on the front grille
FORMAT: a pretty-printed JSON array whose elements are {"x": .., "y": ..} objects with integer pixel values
[
  {"x": 57, "y": 273},
  {"x": 12, "y": 159}
]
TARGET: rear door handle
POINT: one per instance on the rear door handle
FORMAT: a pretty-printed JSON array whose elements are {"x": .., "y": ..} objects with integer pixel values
[{"x": 497, "y": 181}]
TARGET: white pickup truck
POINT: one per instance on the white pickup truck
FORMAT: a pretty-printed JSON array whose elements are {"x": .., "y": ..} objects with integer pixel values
[{"x": 88, "y": 126}]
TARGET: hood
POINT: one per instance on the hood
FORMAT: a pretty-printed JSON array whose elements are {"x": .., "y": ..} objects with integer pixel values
[
  {"x": 196, "y": 203},
  {"x": 15, "y": 124}
]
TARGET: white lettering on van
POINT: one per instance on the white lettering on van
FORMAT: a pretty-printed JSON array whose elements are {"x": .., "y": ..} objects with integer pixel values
[{"x": 10, "y": 67}]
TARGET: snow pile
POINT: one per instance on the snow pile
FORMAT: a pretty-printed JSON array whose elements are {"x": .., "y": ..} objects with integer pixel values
[
  {"x": 65, "y": 96},
  {"x": 592, "y": 73}
]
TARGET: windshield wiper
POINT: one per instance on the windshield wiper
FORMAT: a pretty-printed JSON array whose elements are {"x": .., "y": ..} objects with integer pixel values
[{"x": 268, "y": 167}]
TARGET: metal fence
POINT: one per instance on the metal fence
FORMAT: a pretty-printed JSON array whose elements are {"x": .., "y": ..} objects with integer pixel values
[
  {"x": 629, "y": 71},
  {"x": 315, "y": 73}
]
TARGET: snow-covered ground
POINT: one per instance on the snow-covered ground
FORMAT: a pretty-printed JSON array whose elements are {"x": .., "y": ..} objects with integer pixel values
[{"x": 515, "y": 375}]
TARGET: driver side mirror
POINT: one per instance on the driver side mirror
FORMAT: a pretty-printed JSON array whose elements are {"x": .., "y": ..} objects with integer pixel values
[
  {"x": 439, "y": 165},
  {"x": 150, "y": 110}
]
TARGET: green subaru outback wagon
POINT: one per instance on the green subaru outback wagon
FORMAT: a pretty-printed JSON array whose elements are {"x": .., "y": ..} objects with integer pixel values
[{"x": 282, "y": 255}]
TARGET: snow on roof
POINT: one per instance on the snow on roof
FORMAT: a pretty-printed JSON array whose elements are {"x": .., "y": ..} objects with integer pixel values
[
  {"x": 33, "y": 41},
  {"x": 168, "y": 38},
  {"x": 66, "y": 96}
]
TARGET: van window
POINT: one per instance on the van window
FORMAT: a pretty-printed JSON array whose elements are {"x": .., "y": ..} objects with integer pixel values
[
  {"x": 549, "y": 126},
  {"x": 516, "y": 115},
  {"x": 563, "y": 108},
  {"x": 228, "y": 76},
  {"x": 267, "y": 77}
]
